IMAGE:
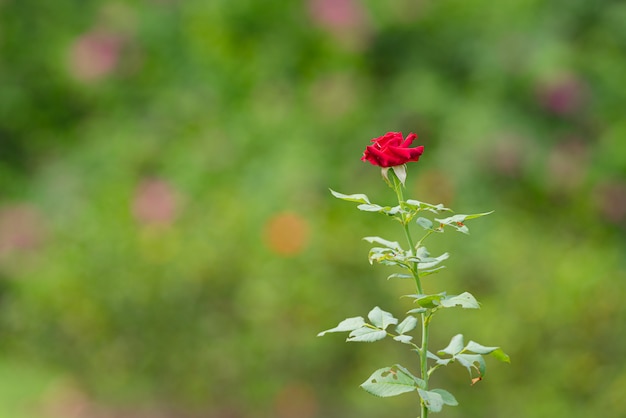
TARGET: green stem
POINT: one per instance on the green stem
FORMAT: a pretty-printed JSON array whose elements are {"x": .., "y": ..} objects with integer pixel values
[
  {"x": 397, "y": 186},
  {"x": 419, "y": 243},
  {"x": 424, "y": 357},
  {"x": 425, "y": 318},
  {"x": 418, "y": 283}
]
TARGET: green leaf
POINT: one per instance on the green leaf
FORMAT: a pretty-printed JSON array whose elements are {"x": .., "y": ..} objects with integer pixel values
[
  {"x": 349, "y": 324},
  {"x": 454, "y": 347},
  {"x": 424, "y": 223},
  {"x": 495, "y": 352},
  {"x": 408, "y": 324},
  {"x": 428, "y": 301},
  {"x": 359, "y": 198},
  {"x": 430, "y": 262},
  {"x": 501, "y": 355},
  {"x": 474, "y": 347},
  {"x": 422, "y": 253},
  {"x": 425, "y": 262},
  {"x": 391, "y": 381},
  {"x": 370, "y": 207},
  {"x": 423, "y": 273},
  {"x": 464, "y": 300},
  {"x": 380, "y": 318},
  {"x": 394, "y": 245},
  {"x": 456, "y": 221},
  {"x": 385, "y": 256},
  {"x": 476, "y": 215},
  {"x": 392, "y": 210},
  {"x": 433, "y": 400},
  {"x": 399, "y": 276},
  {"x": 447, "y": 397},
  {"x": 389, "y": 256},
  {"x": 406, "y": 339},
  {"x": 439, "y": 360},
  {"x": 469, "y": 361},
  {"x": 462, "y": 218},
  {"x": 417, "y": 311},
  {"x": 367, "y": 335},
  {"x": 417, "y": 206}
]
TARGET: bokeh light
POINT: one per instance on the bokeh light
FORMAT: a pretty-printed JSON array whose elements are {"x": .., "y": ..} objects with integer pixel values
[
  {"x": 286, "y": 234},
  {"x": 95, "y": 55}
]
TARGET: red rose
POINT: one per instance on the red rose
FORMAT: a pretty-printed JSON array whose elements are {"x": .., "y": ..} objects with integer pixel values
[{"x": 391, "y": 150}]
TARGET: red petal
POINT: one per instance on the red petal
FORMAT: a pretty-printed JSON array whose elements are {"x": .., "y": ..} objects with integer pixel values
[
  {"x": 390, "y": 138},
  {"x": 380, "y": 158},
  {"x": 406, "y": 154},
  {"x": 392, "y": 150},
  {"x": 409, "y": 140}
]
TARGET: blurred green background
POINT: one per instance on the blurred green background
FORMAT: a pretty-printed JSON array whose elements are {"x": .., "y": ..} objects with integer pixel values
[{"x": 169, "y": 248}]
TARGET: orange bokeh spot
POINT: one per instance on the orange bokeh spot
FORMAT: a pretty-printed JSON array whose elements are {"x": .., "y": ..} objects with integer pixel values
[{"x": 286, "y": 233}]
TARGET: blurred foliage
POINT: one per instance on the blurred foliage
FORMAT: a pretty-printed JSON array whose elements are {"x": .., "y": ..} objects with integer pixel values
[{"x": 168, "y": 242}]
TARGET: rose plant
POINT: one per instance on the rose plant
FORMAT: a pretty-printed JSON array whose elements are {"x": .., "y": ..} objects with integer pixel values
[{"x": 391, "y": 152}]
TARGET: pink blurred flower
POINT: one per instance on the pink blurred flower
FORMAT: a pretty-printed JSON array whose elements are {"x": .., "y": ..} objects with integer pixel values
[
  {"x": 21, "y": 228},
  {"x": 562, "y": 96},
  {"x": 155, "y": 202},
  {"x": 346, "y": 20},
  {"x": 94, "y": 55},
  {"x": 337, "y": 14}
]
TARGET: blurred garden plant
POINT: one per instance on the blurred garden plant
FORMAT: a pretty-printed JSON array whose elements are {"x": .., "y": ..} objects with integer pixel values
[{"x": 391, "y": 152}]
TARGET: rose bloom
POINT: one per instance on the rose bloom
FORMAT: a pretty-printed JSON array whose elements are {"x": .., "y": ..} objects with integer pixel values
[{"x": 391, "y": 150}]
